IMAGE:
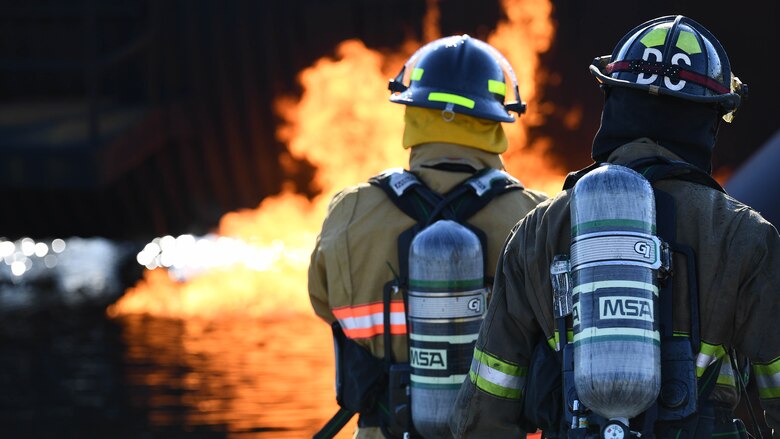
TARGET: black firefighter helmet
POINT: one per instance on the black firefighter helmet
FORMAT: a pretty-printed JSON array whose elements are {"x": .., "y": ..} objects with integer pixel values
[
  {"x": 673, "y": 56},
  {"x": 459, "y": 74}
]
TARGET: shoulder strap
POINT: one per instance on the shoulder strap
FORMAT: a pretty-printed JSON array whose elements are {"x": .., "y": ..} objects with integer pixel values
[
  {"x": 661, "y": 168},
  {"x": 654, "y": 169},
  {"x": 573, "y": 177},
  {"x": 407, "y": 192},
  {"x": 480, "y": 190},
  {"x": 425, "y": 206}
]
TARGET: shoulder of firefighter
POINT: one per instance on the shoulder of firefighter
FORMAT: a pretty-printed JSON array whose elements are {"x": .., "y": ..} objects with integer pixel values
[
  {"x": 355, "y": 269},
  {"x": 723, "y": 264}
]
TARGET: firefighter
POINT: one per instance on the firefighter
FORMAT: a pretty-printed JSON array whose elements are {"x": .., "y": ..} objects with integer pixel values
[
  {"x": 454, "y": 91},
  {"x": 668, "y": 86}
]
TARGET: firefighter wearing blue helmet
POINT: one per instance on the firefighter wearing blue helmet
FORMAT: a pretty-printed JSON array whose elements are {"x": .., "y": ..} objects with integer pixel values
[
  {"x": 666, "y": 342},
  {"x": 457, "y": 91}
]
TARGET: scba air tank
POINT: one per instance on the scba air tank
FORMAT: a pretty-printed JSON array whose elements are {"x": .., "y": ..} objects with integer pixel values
[
  {"x": 614, "y": 261},
  {"x": 446, "y": 306}
]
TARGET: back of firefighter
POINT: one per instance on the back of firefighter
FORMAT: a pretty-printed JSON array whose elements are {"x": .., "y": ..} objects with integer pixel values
[
  {"x": 454, "y": 92},
  {"x": 651, "y": 117}
]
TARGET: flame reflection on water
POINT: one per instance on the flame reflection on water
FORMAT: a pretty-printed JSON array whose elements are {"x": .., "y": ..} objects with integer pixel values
[{"x": 244, "y": 377}]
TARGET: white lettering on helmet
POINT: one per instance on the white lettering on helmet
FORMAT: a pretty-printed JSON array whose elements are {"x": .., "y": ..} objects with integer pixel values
[
  {"x": 676, "y": 61},
  {"x": 642, "y": 78}
]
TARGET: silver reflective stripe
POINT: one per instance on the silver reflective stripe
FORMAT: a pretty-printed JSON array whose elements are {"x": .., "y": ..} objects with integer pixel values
[
  {"x": 726, "y": 374},
  {"x": 708, "y": 355},
  {"x": 433, "y": 306},
  {"x": 452, "y": 379},
  {"x": 768, "y": 385},
  {"x": 455, "y": 339},
  {"x": 593, "y": 286},
  {"x": 497, "y": 377},
  {"x": 613, "y": 247}
]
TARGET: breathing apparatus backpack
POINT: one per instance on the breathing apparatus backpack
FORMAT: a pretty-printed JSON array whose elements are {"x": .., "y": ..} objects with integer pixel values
[
  {"x": 614, "y": 291},
  {"x": 441, "y": 277}
]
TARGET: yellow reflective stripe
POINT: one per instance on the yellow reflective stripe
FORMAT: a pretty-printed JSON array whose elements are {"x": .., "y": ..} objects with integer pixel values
[
  {"x": 497, "y": 377},
  {"x": 451, "y": 98},
  {"x": 707, "y": 355},
  {"x": 687, "y": 41},
  {"x": 655, "y": 37},
  {"x": 496, "y": 87},
  {"x": 554, "y": 341},
  {"x": 768, "y": 379},
  {"x": 416, "y": 74}
]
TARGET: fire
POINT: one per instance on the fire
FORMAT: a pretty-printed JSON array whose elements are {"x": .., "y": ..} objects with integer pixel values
[
  {"x": 345, "y": 126},
  {"x": 528, "y": 32}
]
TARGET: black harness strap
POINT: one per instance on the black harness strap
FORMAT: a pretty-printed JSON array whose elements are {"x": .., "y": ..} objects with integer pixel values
[
  {"x": 654, "y": 169},
  {"x": 422, "y": 204},
  {"x": 335, "y": 424}
]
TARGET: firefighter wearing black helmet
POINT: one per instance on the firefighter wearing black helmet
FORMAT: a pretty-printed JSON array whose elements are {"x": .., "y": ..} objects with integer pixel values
[
  {"x": 457, "y": 92},
  {"x": 668, "y": 86}
]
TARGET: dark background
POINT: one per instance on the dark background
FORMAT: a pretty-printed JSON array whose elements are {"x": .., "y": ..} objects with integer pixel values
[{"x": 134, "y": 119}]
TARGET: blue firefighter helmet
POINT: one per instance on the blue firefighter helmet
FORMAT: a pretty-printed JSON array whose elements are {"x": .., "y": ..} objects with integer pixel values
[
  {"x": 459, "y": 74},
  {"x": 673, "y": 56}
]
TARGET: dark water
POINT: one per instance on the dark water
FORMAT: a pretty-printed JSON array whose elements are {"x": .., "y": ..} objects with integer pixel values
[{"x": 84, "y": 375}]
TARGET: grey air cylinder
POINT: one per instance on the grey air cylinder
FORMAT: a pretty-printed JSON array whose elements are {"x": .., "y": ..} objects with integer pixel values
[
  {"x": 615, "y": 256},
  {"x": 446, "y": 306}
]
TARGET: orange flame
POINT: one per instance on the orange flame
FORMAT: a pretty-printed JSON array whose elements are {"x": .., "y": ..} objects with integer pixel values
[
  {"x": 345, "y": 126},
  {"x": 527, "y": 33}
]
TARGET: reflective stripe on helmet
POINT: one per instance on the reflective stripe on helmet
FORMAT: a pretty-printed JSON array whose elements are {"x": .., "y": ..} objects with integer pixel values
[
  {"x": 655, "y": 37},
  {"x": 366, "y": 321},
  {"x": 687, "y": 41},
  {"x": 417, "y": 74},
  {"x": 497, "y": 377},
  {"x": 708, "y": 355},
  {"x": 496, "y": 87},
  {"x": 768, "y": 379},
  {"x": 450, "y": 98}
]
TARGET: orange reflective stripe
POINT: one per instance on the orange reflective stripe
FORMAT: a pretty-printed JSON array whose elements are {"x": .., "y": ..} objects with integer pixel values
[
  {"x": 374, "y": 330},
  {"x": 364, "y": 310},
  {"x": 365, "y": 321}
]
